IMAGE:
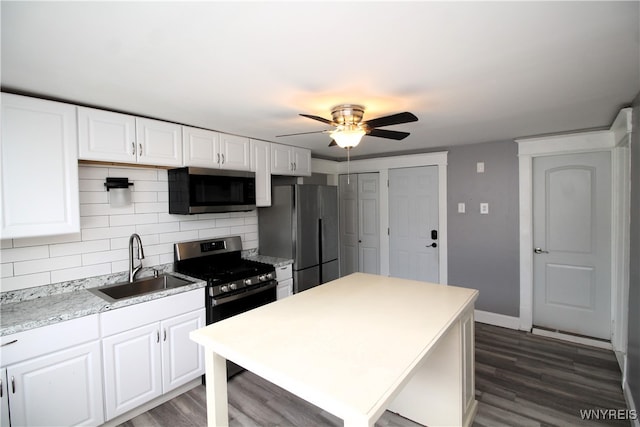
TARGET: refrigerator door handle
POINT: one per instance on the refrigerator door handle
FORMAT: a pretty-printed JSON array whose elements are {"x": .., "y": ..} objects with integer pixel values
[{"x": 320, "y": 248}]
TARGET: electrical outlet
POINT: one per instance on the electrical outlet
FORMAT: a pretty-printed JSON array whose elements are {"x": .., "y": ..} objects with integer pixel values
[
  {"x": 461, "y": 207},
  {"x": 480, "y": 167},
  {"x": 484, "y": 208}
]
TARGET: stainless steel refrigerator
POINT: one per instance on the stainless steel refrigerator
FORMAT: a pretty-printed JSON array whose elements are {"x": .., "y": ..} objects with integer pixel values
[{"x": 302, "y": 224}]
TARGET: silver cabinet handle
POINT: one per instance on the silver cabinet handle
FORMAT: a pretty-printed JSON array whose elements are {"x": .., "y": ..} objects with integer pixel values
[
  {"x": 222, "y": 157},
  {"x": 1, "y": 388},
  {"x": 164, "y": 338},
  {"x": 140, "y": 147},
  {"x": 133, "y": 148},
  {"x": 10, "y": 342},
  {"x": 540, "y": 251},
  {"x": 13, "y": 384},
  {"x": 157, "y": 336}
]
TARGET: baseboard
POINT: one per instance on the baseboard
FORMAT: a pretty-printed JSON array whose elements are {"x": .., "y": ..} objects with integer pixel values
[
  {"x": 630, "y": 403},
  {"x": 573, "y": 338},
  {"x": 496, "y": 319}
]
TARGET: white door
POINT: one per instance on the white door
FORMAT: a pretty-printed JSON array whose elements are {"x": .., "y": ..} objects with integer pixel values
[
  {"x": 132, "y": 369},
  {"x": 369, "y": 223},
  {"x": 413, "y": 223},
  {"x": 572, "y": 243},
  {"x": 200, "y": 147},
  {"x": 359, "y": 223},
  {"x": 107, "y": 136},
  {"x": 159, "y": 143},
  {"x": 4, "y": 399},
  {"x": 235, "y": 152},
  {"x": 59, "y": 389},
  {"x": 348, "y": 188},
  {"x": 182, "y": 358}
]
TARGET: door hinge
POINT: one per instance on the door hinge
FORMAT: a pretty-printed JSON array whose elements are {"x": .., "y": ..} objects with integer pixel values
[
  {"x": 387, "y": 183},
  {"x": 388, "y": 232}
]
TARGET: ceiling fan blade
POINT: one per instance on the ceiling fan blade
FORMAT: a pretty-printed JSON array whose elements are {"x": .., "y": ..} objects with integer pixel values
[
  {"x": 303, "y": 133},
  {"x": 389, "y": 134},
  {"x": 333, "y": 143},
  {"x": 394, "y": 119},
  {"x": 318, "y": 118}
]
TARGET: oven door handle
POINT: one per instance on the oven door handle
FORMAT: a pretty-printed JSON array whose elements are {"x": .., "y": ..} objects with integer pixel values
[{"x": 220, "y": 301}]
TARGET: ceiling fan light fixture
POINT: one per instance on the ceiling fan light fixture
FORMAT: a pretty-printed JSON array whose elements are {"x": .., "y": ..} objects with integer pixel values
[{"x": 348, "y": 138}]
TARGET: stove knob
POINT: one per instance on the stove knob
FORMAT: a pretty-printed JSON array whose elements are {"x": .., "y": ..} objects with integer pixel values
[
  {"x": 224, "y": 288},
  {"x": 247, "y": 282},
  {"x": 233, "y": 286},
  {"x": 262, "y": 277}
]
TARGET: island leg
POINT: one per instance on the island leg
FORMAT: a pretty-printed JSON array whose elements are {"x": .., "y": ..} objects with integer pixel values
[{"x": 216, "y": 376}]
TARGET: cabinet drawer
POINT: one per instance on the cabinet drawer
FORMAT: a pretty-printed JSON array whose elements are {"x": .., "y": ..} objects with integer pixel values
[
  {"x": 133, "y": 316},
  {"x": 47, "y": 339},
  {"x": 283, "y": 273}
]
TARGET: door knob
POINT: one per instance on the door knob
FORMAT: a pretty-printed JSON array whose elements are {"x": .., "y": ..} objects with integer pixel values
[
  {"x": 540, "y": 251},
  {"x": 433, "y": 245}
]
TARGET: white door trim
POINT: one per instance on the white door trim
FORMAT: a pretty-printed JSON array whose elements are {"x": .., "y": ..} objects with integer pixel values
[
  {"x": 382, "y": 166},
  {"x": 609, "y": 140}
]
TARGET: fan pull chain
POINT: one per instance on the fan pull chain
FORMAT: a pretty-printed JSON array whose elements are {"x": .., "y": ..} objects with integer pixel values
[{"x": 348, "y": 167}]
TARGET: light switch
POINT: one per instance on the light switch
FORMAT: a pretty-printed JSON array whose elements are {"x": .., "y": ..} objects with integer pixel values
[
  {"x": 461, "y": 208},
  {"x": 484, "y": 208},
  {"x": 480, "y": 167}
]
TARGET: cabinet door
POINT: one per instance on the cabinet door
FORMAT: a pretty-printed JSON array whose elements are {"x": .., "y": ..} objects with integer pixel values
[
  {"x": 106, "y": 136},
  {"x": 301, "y": 161},
  {"x": 261, "y": 165},
  {"x": 38, "y": 168},
  {"x": 235, "y": 152},
  {"x": 285, "y": 289},
  {"x": 131, "y": 369},
  {"x": 59, "y": 389},
  {"x": 159, "y": 143},
  {"x": 200, "y": 147},
  {"x": 182, "y": 358},
  {"x": 281, "y": 159},
  {"x": 4, "y": 399}
]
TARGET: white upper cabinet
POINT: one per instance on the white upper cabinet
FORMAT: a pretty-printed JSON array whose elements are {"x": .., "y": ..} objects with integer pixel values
[
  {"x": 209, "y": 149},
  {"x": 261, "y": 165},
  {"x": 289, "y": 160},
  {"x": 38, "y": 168},
  {"x": 115, "y": 137}
]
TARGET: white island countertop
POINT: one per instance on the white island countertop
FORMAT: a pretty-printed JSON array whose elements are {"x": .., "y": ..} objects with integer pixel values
[{"x": 347, "y": 346}]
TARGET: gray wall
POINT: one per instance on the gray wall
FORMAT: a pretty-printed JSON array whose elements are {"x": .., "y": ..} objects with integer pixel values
[
  {"x": 483, "y": 249},
  {"x": 634, "y": 264}
]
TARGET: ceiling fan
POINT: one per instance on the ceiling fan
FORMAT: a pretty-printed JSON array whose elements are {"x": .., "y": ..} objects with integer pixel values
[{"x": 349, "y": 127}]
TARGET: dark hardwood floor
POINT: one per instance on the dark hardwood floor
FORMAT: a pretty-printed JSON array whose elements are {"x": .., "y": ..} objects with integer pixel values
[{"x": 521, "y": 380}]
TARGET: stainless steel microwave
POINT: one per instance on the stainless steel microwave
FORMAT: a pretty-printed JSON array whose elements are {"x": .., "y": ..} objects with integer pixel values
[{"x": 200, "y": 190}]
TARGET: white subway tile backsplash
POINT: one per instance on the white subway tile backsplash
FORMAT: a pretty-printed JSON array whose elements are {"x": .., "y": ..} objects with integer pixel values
[
  {"x": 25, "y": 281},
  {"x": 133, "y": 219},
  {"x": 46, "y": 264},
  {"x": 25, "y": 254},
  {"x": 78, "y": 247},
  {"x": 80, "y": 272},
  {"x": 101, "y": 247},
  {"x": 106, "y": 256},
  {"x": 94, "y": 221},
  {"x": 107, "y": 232},
  {"x": 46, "y": 240},
  {"x": 158, "y": 207}
]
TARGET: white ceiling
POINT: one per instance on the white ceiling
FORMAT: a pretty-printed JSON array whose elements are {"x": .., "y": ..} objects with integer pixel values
[{"x": 471, "y": 71}]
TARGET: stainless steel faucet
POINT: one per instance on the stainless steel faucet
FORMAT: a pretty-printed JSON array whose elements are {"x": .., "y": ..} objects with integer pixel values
[{"x": 132, "y": 270}]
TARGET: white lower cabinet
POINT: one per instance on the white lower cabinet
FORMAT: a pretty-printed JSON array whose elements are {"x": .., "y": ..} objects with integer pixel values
[
  {"x": 285, "y": 281},
  {"x": 52, "y": 376},
  {"x": 147, "y": 351}
]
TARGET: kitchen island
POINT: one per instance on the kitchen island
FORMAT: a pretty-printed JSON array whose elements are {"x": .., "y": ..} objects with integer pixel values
[{"x": 355, "y": 347}]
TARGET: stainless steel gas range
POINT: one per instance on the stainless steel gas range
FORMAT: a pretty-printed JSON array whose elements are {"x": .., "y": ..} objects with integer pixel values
[{"x": 234, "y": 284}]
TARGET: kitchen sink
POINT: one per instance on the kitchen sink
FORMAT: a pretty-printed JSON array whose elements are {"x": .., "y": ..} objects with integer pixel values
[{"x": 139, "y": 287}]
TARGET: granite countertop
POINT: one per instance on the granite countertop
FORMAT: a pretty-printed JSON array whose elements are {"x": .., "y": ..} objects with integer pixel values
[
  {"x": 46, "y": 305},
  {"x": 275, "y": 261},
  {"x": 47, "y": 309}
]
